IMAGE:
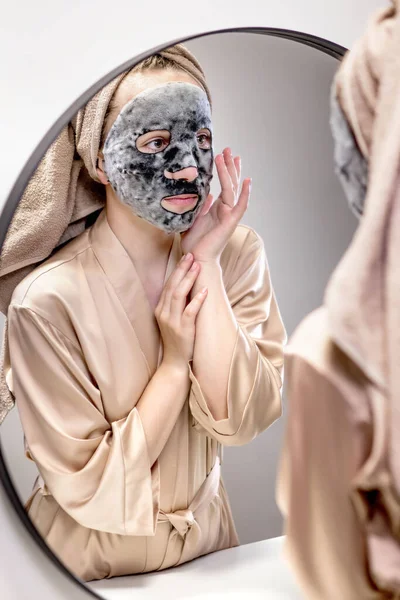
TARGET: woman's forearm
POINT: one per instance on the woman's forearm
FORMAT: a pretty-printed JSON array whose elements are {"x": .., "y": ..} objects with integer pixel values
[
  {"x": 216, "y": 329},
  {"x": 160, "y": 405}
]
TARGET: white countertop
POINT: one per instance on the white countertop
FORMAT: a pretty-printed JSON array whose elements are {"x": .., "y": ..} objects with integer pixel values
[{"x": 251, "y": 572}]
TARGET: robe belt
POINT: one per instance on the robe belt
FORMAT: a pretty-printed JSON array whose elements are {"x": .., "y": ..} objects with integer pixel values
[
  {"x": 181, "y": 520},
  {"x": 184, "y": 521}
]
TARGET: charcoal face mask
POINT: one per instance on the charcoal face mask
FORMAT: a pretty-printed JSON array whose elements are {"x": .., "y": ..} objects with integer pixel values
[
  {"x": 138, "y": 178},
  {"x": 350, "y": 165}
]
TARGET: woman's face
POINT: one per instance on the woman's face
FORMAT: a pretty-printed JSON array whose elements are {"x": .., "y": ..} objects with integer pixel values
[{"x": 158, "y": 152}]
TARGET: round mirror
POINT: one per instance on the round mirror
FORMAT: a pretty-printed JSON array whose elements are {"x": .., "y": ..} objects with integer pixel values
[{"x": 133, "y": 473}]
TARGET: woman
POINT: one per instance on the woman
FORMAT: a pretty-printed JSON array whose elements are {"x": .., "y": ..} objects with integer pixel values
[{"x": 157, "y": 339}]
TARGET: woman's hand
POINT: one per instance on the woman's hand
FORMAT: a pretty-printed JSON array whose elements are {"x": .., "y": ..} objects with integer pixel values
[
  {"x": 175, "y": 317},
  {"x": 216, "y": 222}
]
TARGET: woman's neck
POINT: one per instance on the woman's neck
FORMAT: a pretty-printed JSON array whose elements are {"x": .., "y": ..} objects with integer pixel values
[{"x": 144, "y": 243}]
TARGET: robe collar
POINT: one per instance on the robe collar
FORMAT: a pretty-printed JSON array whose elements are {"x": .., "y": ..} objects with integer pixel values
[{"x": 122, "y": 274}]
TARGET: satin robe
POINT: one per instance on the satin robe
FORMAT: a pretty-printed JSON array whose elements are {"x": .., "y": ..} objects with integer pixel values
[
  {"x": 84, "y": 343},
  {"x": 338, "y": 539}
]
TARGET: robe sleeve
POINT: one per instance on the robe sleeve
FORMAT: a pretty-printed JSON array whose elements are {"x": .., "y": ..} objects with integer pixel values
[
  {"x": 322, "y": 453},
  {"x": 256, "y": 366},
  {"x": 98, "y": 472}
]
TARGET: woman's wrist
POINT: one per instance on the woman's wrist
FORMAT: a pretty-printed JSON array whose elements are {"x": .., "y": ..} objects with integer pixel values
[
  {"x": 210, "y": 276},
  {"x": 209, "y": 263},
  {"x": 175, "y": 368},
  {"x": 210, "y": 271}
]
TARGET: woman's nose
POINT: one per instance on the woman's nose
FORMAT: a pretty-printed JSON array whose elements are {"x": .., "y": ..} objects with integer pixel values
[{"x": 188, "y": 174}]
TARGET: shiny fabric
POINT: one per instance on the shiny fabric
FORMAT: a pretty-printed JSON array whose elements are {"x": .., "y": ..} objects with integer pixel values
[{"x": 84, "y": 343}]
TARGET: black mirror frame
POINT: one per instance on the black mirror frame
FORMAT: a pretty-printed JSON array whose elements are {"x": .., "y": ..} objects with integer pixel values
[{"x": 321, "y": 44}]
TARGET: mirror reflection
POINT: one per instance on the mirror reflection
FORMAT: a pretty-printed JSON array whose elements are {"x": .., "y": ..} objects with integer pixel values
[{"x": 185, "y": 221}]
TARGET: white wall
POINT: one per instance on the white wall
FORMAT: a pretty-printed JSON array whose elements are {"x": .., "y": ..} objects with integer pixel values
[{"x": 54, "y": 51}]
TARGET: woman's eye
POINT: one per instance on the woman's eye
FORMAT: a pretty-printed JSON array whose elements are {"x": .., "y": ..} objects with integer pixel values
[
  {"x": 153, "y": 142},
  {"x": 203, "y": 140},
  {"x": 157, "y": 144}
]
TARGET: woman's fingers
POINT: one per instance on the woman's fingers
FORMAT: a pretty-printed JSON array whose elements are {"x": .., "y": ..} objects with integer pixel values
[
  {"x": 238, "y": 166},
  {"x": 227, "y": 186},
  {"x": 193, "y": 308},
  {"x": 231, "y": 167},
  {"x": 180, "y": 293},
  {"x": 243, "y": 202},
  {"x": 173, "y": 280},
  {"x": 206, "y": 206}
]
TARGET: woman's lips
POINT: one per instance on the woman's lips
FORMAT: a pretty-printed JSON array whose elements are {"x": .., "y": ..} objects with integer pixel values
[
  {"x": 181, "y": 199},
  {"x": 180, "y": 203}
]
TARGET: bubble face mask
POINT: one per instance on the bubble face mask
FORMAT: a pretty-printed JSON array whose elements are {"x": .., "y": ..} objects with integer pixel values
[
  {"x": 350, "y": 165},
  {"x": 140, "y": 177}
]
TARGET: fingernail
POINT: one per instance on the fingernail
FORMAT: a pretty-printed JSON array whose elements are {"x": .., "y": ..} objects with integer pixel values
[
  {"x": 193, "y": 267},
  {"x": 188, "y": 256},
  {"x": 183, "y": 258},
  {"x": 203, "y": 290}
]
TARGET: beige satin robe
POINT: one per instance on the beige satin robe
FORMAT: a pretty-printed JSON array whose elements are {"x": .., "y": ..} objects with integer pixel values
[
  {"x": 84, "y": 343},
  {"x": 337, "y": 540}
]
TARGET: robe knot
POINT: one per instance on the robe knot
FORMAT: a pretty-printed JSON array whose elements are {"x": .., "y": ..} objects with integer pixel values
[{"x": 181, "y": 520}]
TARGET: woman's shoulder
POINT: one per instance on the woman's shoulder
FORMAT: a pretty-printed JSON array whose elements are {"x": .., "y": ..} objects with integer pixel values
[
  {"x": 311, "y": 343},
  {"x": 314, "y": 360},
  {"x": 246, "y": 238},
  {"x": 55, "y": 280},
  {"x": 244, "y": 245}
]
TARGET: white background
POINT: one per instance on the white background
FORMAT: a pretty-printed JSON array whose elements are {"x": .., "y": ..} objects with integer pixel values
[{"x": 53, "y": 52}]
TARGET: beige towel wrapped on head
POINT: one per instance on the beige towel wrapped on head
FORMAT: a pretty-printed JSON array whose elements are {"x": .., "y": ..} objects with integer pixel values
[
  {"x": 363, "y": 296},
  {"x": 62, "y": 195}
]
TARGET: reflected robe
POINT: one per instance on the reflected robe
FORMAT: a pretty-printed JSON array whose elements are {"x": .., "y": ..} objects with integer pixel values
[{"x": 84, "y": 343}]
